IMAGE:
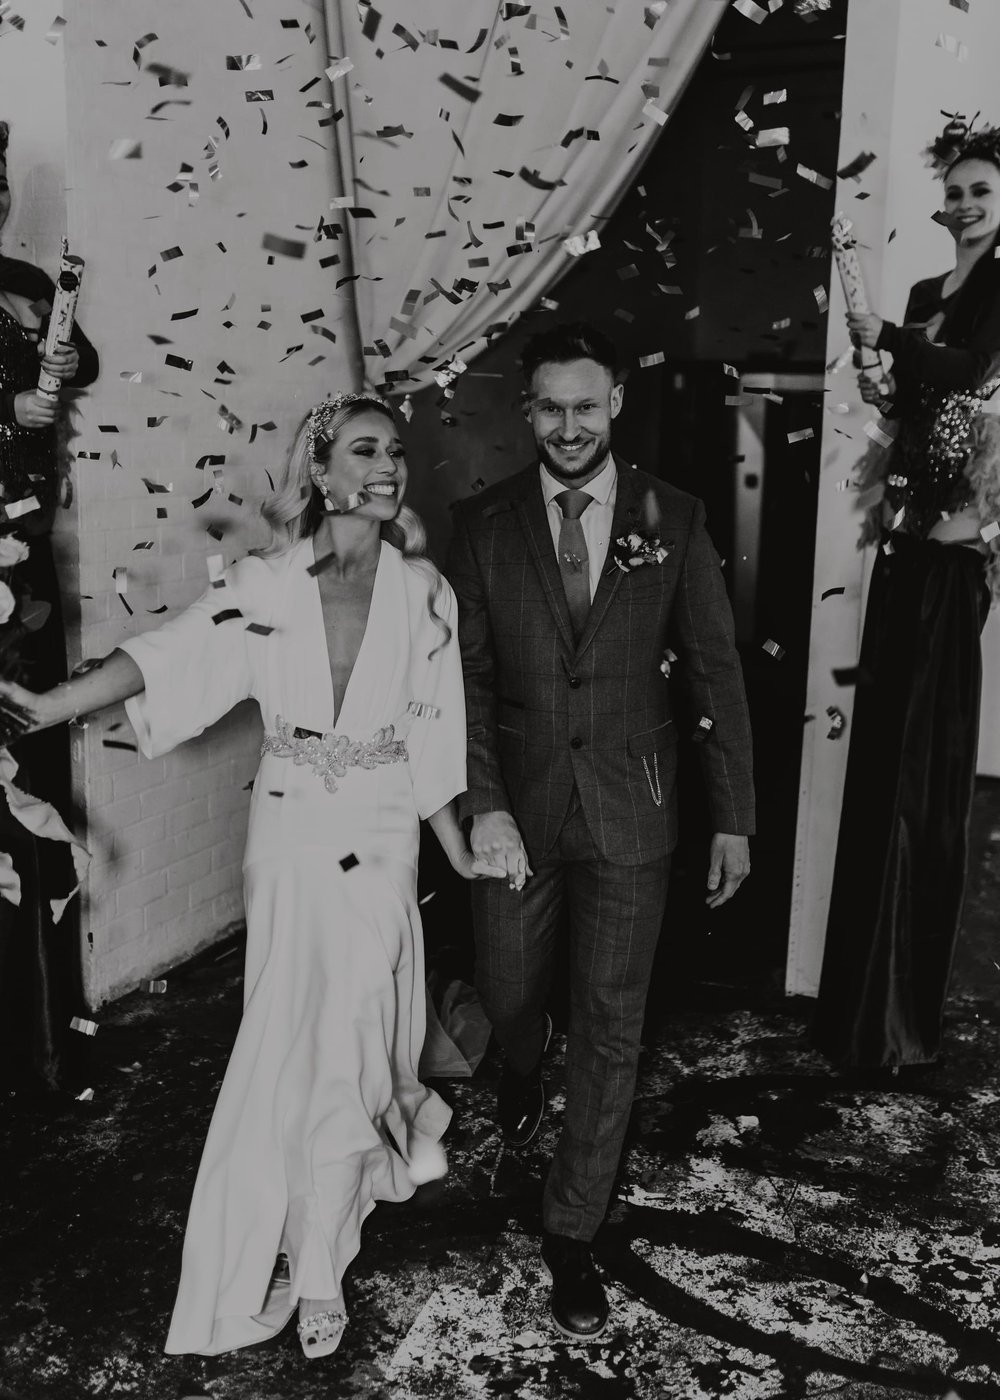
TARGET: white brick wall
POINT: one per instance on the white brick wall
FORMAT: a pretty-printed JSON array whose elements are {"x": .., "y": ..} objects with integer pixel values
[{"x": 167, "y": 835}]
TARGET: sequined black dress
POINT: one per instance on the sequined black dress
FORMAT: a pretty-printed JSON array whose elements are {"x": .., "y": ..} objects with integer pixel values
[
  {"x": 39, "y": 961},
  {"x": 901, "y": 856}
]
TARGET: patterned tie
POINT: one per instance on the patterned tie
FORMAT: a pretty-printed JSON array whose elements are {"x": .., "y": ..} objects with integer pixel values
[{"x": 574, "y": 562}]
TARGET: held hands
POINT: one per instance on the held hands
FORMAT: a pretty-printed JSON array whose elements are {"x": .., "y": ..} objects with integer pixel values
[
  {"x": 470, "y": 867},
  {"x": 864, "y": 327},
  {"x": 32, "y": 411},
  {"x": 64, "y": 361},
  {"x": 728, "y": 867},
  {"x": 496, "y": 842}
]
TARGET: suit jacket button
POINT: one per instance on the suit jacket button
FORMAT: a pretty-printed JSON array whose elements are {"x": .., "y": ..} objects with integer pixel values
[
  {"x": 575, "y": 682},
  {"x": 576, "y": 742}
]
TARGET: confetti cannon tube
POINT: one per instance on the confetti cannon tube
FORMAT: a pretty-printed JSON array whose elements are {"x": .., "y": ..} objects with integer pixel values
[
  {"x": 853, "y": 283},
  {"x": 61, "y": 320}
]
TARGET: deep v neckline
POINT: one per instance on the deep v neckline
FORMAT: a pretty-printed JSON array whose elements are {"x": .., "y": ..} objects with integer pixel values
[{"x": 362, "y": 649}]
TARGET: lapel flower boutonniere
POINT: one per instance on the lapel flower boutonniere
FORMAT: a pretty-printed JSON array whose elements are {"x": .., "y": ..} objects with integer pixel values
[{"x": 635, "y": 549}]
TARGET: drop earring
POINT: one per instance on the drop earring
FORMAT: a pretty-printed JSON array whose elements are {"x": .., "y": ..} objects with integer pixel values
[{"x": 328, "y": 504}]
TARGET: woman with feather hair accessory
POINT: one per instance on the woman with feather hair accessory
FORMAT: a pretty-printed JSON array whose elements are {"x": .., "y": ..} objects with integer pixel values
[{"x": 933, "y": 505}]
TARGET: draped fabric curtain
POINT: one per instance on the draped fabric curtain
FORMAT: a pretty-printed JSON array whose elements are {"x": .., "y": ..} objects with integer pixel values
[{"x": 481, "y": 148}]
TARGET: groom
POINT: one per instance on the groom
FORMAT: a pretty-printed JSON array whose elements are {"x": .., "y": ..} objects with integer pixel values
[{"x": 572, "y": 765}]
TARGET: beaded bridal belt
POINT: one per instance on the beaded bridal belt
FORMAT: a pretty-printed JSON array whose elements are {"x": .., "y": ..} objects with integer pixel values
[{"x": 330, "y": 755}]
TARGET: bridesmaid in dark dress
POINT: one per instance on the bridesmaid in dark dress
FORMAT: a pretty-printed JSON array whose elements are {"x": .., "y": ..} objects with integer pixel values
[
  {"x": 39, "y": 961},
  {"x": 901, "y": 856}
]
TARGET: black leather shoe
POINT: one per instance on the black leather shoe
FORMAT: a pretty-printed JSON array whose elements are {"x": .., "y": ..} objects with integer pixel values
[
  {"x": 521, "y": 1100},
  {"x": 579, "y": 1304}
]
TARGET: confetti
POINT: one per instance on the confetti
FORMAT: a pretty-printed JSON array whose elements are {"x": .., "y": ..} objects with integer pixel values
[
  {"x": 991, "y": 531},
  {"x": 655, "y": 114},
  {"x": 85, "y": 1095},
  {"x": 800, "y": 435},
  {"x": 877, "y": 434},
  {"x": 814, "y": 177},
  {"x": 349, "y": 862},
  {"x": 124, "y": 148},
  {"x": 851, "y": 675},
  {"x": 579, "y": 243},
  {"x": 85, "y": 1027},
  {"x": 422, "y": 711},
  {"x": 837, "y": 722},
  {"x": 951, "y": 45},
  {"x": 645, "y": 361},
  {"x": 750, "y": 10},
  {"x": 703, "y": 729},
  {"x": 773, "y": 649},
  {"x": 317, "y": 568},
  {"x": 853, "y": 169},
  {"x": 771, "y": 99},
  {"x": 830, "y": 593},
  {"x": 773, "y": 136},
  {"x": 23, "y": 507},
  {"x": 157, "y": 985},
  {"x": 287, "y": 247},
  {"x": 463, "y": 90},
  {"x": 338, "y": 68},
  {"x": 226, "y": 615}
]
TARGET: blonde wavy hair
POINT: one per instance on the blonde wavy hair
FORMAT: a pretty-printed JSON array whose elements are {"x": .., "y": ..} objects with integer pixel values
[{"x": 295, "y": 510}]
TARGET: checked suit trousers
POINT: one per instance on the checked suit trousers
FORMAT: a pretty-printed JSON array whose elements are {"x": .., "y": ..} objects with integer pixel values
[{"x": 614, "y": 917}]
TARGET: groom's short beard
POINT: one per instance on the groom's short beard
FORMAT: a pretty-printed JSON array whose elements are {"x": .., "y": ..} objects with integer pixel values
[{"x": 599, "y": 453}]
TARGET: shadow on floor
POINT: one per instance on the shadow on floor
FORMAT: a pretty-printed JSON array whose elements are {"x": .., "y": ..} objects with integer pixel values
[{"x": 776, "y": 1231}]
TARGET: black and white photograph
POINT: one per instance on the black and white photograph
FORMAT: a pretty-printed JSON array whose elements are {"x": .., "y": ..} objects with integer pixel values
[{"x": 500, "y": 699}]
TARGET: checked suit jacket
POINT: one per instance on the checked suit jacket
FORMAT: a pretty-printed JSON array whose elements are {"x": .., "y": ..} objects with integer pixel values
[{"x": 546, "y": 713}]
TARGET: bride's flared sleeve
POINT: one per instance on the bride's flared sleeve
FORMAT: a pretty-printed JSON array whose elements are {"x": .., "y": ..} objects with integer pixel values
[
  {"x": 197, "y": 666},
  {"x": 436, "y": 742}
]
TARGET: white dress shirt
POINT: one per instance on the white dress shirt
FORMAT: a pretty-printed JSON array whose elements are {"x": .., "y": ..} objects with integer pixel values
[{"x": 596, "y": 519}]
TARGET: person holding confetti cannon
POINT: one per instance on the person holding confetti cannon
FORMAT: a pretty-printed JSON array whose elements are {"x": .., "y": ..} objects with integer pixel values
[
  {"x": 39, "y": 961},
  {"x": 344, "y": 634},
  {"x": 933, "y": 505}
]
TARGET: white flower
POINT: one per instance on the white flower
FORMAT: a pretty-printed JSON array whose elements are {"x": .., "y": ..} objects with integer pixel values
[
  {"x": 6, "y": 602},
  {"x": 12, "y": 551}
]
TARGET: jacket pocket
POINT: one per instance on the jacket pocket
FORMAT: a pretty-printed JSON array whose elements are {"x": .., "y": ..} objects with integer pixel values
[{"x": 651, "y": 741}]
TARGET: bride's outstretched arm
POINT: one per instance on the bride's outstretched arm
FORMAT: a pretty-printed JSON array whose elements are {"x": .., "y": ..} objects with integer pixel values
[{"x": 24, "y": 711}]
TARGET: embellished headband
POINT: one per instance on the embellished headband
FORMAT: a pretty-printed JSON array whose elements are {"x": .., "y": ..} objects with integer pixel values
[
  {"x": 958, "y": 142},
  {"x": 324, "y": 413}
]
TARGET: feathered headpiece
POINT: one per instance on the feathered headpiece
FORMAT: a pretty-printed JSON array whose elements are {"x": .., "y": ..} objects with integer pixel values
[
  {"x": 324, "y": 413},
  {"x": 958, "y": 141}
]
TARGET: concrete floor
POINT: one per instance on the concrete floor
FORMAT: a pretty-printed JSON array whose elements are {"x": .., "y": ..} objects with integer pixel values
[{"x": 777, "y": 1232}]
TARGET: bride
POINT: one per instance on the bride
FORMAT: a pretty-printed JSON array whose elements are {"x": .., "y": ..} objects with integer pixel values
[{"x": 344, "y": 634}]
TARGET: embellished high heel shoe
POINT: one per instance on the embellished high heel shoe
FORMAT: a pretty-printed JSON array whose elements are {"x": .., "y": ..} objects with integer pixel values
[{"x": 320, "y": 1333}]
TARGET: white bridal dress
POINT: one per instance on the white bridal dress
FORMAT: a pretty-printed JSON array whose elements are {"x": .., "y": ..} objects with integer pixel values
[{"x": 321, "y": 1107}]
